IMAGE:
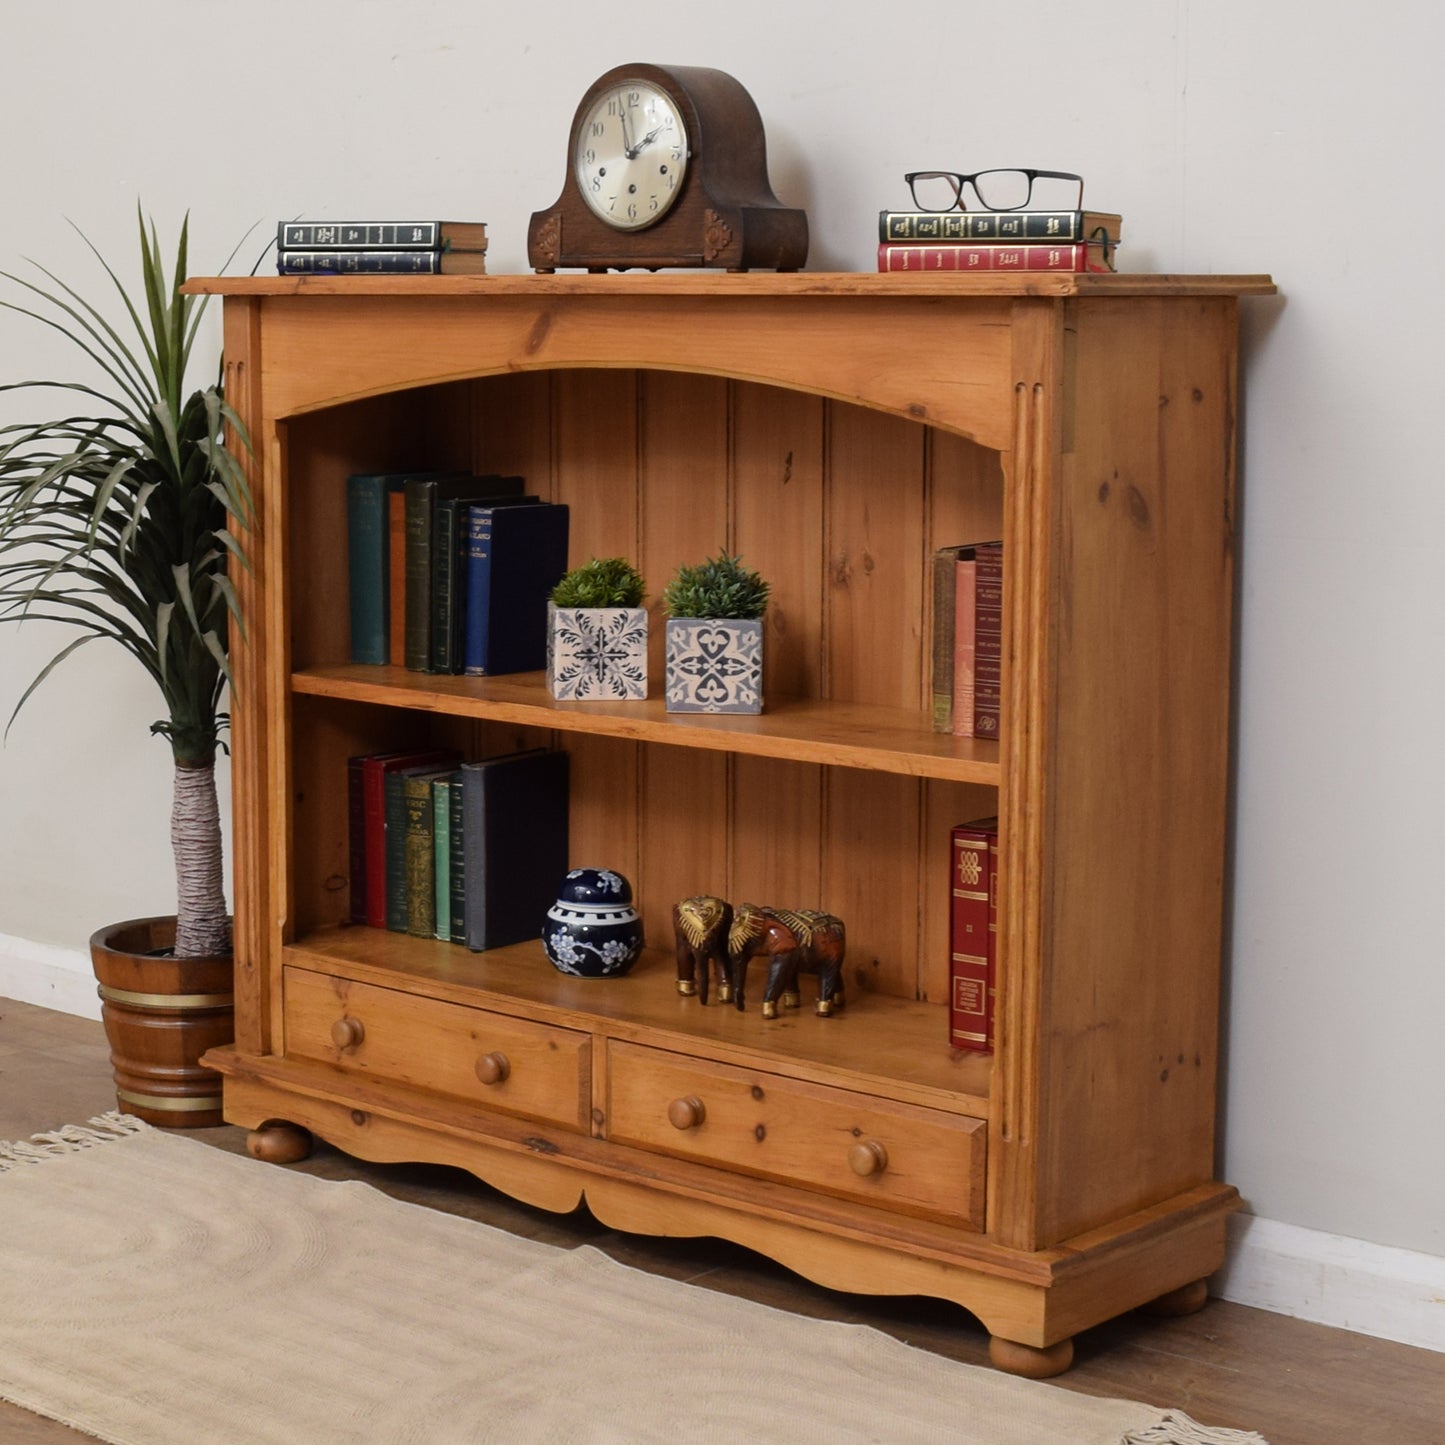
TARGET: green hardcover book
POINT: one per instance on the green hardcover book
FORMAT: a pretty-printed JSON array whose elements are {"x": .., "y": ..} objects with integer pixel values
[
  {"x": 394, "y": 813},
  {"x": 421, "y": 907},
  {"x": 458, "y": 862},
  {"x": 442, "y": 853}
]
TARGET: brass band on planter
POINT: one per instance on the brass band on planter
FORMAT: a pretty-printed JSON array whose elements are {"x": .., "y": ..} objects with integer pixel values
[
  {"x": 166, "y": 1000},
  {"x": 196, "y": 1105}
]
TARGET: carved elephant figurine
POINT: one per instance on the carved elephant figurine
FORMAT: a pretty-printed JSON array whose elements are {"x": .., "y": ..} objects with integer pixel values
[
  {"x": 701, "y": 925},
  {"x": 795, "y": 940}
]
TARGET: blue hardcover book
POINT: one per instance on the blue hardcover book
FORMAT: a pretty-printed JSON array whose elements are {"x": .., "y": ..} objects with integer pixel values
[{"x": 515, "y": 557}]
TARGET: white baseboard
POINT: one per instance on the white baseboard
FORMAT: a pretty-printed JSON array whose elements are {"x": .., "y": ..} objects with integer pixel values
[
  {"x": 48, "y": 975},
  {"x": 1372, "y": 1289}
]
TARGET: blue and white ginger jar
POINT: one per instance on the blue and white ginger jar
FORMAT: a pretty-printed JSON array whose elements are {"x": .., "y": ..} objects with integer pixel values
[{"x": 592, "y": 930}]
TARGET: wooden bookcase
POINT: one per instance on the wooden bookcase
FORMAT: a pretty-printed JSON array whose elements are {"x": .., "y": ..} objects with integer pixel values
[{"x": 834, "y": 430}]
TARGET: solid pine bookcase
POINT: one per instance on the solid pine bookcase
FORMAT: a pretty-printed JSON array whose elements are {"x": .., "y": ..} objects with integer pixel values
[{"x": 833, "y": 430}]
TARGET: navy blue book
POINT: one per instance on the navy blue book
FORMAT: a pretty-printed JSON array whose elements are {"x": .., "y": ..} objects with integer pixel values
[
  {"x": 422, "y": 495},
  {"x": 515, "y": 557},
  {"x": 515, "y": 841}
]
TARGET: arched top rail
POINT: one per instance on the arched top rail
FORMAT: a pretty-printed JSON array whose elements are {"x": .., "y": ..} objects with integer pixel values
[{"x": 940, "y": 350}]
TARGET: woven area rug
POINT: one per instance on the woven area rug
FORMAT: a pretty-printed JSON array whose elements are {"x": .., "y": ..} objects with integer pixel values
[{"x": 157, "y": 1291}]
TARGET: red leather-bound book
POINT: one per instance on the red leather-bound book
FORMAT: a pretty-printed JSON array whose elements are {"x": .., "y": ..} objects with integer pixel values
[
  {"x": 970, "y": 1021},
  {"x": 1033, "y": 256},
  {"x": 988, "y": 640}
]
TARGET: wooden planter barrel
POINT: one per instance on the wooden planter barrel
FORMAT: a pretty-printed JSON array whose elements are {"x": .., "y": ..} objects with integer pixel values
[{"x": 161, "y": 1014}]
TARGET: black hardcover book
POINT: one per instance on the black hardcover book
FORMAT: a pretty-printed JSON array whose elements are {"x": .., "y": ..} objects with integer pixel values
[
  {"x": 422, "y": 495},
  {"x": 514, "y": 812},
  {"x": 449, "y": 564},
  {"x": 515, "y": 557}
]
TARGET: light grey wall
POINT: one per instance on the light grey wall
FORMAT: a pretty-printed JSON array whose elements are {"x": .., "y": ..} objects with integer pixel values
[{"x": 1234, "y": 135}]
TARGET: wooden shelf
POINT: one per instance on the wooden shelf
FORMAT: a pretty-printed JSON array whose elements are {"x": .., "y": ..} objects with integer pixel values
[{"x": 805, "y": 730}]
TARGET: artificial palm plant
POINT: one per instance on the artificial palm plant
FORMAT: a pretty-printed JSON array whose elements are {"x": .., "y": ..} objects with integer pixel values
[{"x": 113, "y": 520}]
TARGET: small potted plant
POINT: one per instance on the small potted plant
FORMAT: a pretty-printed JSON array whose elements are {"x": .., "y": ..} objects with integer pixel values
[
  {"x": 715, "y": 637},
  {"x": 597, "y": 633}
]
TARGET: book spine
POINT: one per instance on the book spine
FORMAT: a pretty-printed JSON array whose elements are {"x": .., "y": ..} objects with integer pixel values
[
  {"x": 418, "y": 854},
  {"x": 396, "y": 575},
  {"x": 943, "y": 639},
  {"x": 418, "y": 575},
  {"x": 292, "y": 262},
  {"x": 395, "y": 851},
  {"x": 441, "y": 857},
  {"x": 968, "y": 1023},
  {"x": 374, "y": 803},
  {"x": 988, "y": 640},
  {"x": 894, "y": 257},
  {"x": 458, "y": 848},
  {"x": 965, "y": 644},
  {"x": 356, "y": 835},
  {"x": 443, "y": 587},
  {"x": 359, "y": 235},
  {"x": 993, "y": 857},
  {"x": 479, "y": 590},
  {"x": 366, "y": 560},
  {"x": 953, "y": 226}
]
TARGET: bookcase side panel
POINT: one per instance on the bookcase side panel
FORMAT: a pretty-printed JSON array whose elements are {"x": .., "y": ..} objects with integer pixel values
[
  {"x": 1139, "y": 760},
  {"x": 252, "y": 828}
]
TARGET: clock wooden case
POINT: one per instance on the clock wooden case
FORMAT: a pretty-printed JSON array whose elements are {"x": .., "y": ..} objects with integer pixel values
[{"x": 715, "y": 207}]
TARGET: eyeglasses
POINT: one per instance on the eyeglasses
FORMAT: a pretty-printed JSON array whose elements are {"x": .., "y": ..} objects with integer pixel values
[{"x": 1000, "y": 190}]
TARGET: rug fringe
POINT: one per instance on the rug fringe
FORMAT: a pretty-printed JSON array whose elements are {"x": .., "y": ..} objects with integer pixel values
[
  {"x": 102, "y": 1129},
  {"x": 1174, "y": 1427}
]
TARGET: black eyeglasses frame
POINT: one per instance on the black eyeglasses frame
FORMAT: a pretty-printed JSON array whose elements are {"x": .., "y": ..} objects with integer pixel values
[{"x": 958, "y": 181}]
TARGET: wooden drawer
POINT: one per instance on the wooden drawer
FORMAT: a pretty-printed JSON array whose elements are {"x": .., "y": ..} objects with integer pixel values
[
  {"x": 898, "y": 1156},
  {"x": 493, "y": 1059}
]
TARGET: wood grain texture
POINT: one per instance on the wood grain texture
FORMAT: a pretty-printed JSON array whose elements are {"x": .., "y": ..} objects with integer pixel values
[{"x": 838, "y": 429}]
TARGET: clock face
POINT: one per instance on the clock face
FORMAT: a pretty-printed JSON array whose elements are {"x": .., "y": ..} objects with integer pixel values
[{"x": 630, "y": 154}]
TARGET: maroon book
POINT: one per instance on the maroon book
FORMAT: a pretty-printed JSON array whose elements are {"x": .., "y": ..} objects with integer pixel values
[
  {"x": 970, "y": 937},
  {"x": 988, "y": 640}
]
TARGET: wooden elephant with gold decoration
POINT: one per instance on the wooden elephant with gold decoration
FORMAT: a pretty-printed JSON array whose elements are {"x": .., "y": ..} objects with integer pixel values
[
  {"x": 794, "y": 940},
  {"x": 701, "y": 925}
]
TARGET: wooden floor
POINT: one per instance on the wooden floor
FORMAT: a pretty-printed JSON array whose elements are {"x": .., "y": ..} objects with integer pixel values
[{"x": 1296, "y": 1383}]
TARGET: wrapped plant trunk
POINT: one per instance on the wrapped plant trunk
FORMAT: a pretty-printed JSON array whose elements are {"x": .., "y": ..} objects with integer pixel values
[{"x": 123, "y": 523}]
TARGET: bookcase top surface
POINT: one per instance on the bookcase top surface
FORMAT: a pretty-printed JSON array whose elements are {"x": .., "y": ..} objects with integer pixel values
[{"x": 752, "y": 283}]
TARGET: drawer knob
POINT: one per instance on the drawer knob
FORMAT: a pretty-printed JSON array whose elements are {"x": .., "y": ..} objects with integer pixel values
[
  {"x": 686, "y": 1113},
  {"x": 494, "y": 1067},
  {"x": 347, "y": 1033},
  {"x": 868, "y": 1158}
]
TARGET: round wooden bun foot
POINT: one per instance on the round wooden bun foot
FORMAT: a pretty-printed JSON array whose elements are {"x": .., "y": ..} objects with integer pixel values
[
  {"x": 1186, "y": 1300},
  {"x": 1030, "y": 1361},
  {"x": 277, "y": 1142}
]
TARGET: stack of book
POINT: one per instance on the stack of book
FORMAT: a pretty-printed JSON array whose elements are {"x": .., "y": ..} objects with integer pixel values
[
  {"x": 967, "y": 663},
  {"x": 997, "y": 240},
  {"x": 339, "y": 248},
  {"x": 450, "y": 572},
  {"x": 465, "y": 851},
  {"x": 973, "y": 935}
]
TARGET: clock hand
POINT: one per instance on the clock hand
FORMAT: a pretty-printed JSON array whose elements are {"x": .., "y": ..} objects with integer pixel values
[
  {"x": 628, "y": 149},
  {"x": 646, "y": 140}
]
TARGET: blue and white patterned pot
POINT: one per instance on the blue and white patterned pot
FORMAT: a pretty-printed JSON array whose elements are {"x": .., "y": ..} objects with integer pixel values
[
  {"x": 592, "y": 930},
  {"x": 714, "y": 665},
  {"x": 597, "y": 652}
]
